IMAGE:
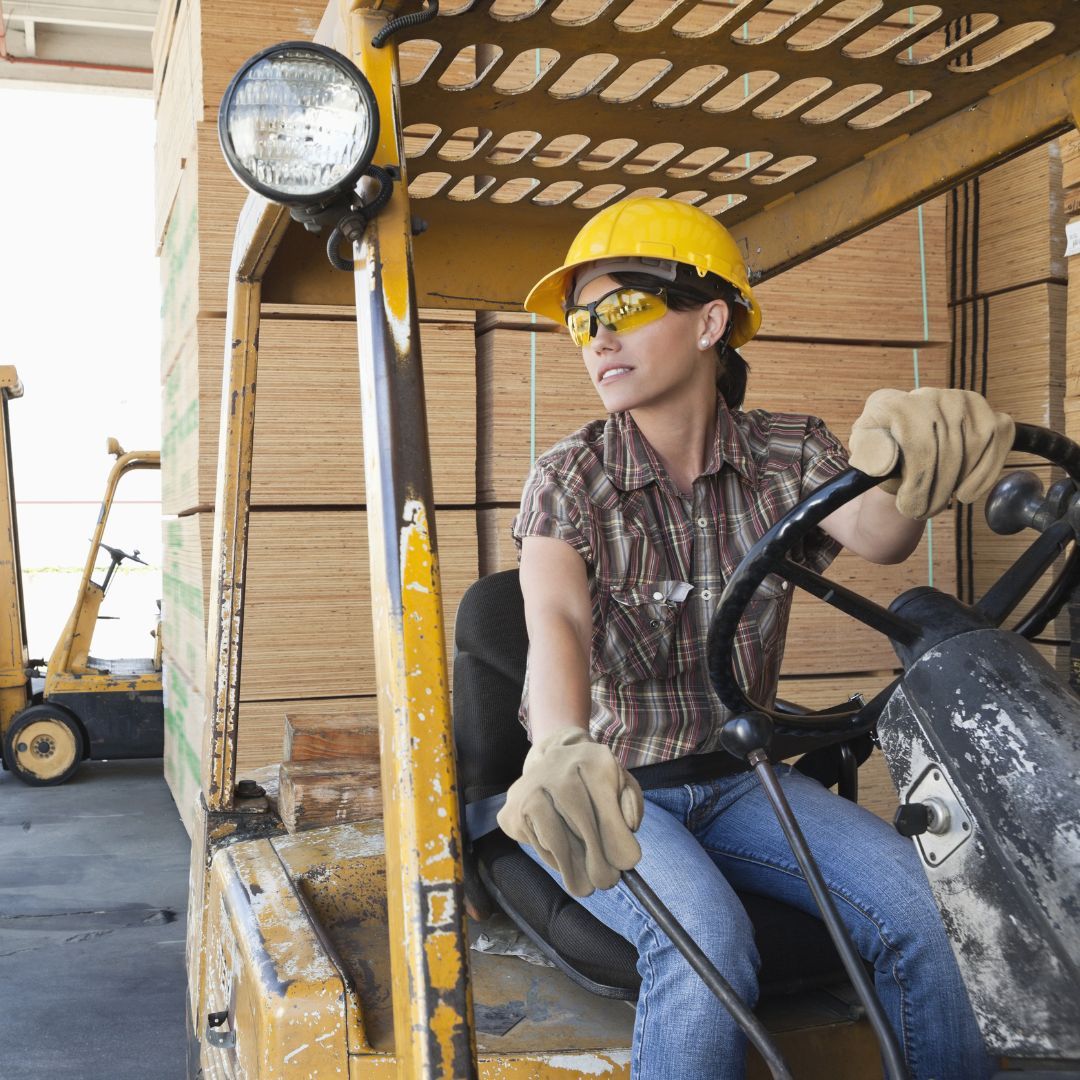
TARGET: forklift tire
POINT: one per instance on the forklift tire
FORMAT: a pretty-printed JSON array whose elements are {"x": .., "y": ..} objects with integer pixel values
[{"x": 44, "y": 746}]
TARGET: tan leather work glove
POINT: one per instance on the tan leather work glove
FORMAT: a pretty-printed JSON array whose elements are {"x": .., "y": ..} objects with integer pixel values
[
  {"x": 949, "y": 442},
  {"x": 577, "y": 807}
]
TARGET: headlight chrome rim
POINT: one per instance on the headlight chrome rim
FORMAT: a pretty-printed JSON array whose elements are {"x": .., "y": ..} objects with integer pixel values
[{"x": 347, "y": 183}]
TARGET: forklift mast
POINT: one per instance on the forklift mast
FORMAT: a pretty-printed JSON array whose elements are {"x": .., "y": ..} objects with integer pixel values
[{"x": 14, "y": 660}]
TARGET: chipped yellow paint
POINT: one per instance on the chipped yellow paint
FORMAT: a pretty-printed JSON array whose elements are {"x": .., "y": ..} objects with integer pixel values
[
  {"x": 267, "y": 968},
  {"x": 380, "y": 67},
  {"x": 421, "y": 821},
  {"x": 443, "y": 961}
]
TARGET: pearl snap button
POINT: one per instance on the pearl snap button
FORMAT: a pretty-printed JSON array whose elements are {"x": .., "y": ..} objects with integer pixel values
[
  {"x": 658, "y": 596},
  {"x": 703, "y": 522},
  {"x": 654, "y": 623},
  {"x": 706, "y": 594}
]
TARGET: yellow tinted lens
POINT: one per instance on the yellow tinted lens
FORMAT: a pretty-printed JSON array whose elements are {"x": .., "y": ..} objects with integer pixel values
[
  {"x": 627, "y": 309},
  {"x": 577, "y": 322}
]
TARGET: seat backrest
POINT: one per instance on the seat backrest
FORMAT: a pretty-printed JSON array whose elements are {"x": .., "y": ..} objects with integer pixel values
[{"x": 490, "y": 649}]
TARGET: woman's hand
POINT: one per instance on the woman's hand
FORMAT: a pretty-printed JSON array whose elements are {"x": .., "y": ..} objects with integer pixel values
[
  {"x": 578, "y": 808},
  {"x": 948, "y": 442}
]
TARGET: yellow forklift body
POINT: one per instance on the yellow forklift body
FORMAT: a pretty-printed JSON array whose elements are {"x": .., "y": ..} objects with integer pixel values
[
  {"x": 340, "y": 952},
  {"x": 14, "y": 660},
  {"x": 298, "y": 957}
]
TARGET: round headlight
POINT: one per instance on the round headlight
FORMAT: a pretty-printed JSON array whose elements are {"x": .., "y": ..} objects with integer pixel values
[{"x": 298, "y": 123}]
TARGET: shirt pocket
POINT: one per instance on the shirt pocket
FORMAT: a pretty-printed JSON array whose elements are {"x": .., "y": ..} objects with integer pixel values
[{"x": 640, "y": 629}]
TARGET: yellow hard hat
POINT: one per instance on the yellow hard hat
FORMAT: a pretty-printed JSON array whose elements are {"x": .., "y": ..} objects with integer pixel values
[{"x": 659, "y": 229}]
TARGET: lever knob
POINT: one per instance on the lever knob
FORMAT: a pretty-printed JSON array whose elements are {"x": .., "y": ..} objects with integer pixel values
[
  {"x": 745, "y": 733},
  {"x": 1014, "y": 502}
]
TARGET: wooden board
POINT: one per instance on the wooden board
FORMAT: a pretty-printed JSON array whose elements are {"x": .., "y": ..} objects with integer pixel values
[
  {"x": 309, "y": 447},
  {"x": 1006, "y": 228},
  {"x": 1069, "y": 146},
  {"x": 312, "y": 794},
  {"x": 341, "y": 737}
]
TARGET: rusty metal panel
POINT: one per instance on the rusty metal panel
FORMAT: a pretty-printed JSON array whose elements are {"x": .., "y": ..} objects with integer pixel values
[{"x": 528, "y": 115}]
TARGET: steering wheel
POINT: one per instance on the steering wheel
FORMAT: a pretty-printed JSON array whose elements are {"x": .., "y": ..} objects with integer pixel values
[
  {"x": 1011, "y": 506},
  {"x": 119, "y": 556}
]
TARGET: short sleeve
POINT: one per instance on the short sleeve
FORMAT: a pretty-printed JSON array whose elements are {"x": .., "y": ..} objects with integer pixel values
[
  {"x": 824, "y": 457},
  {"x": 550, "y": 508}
]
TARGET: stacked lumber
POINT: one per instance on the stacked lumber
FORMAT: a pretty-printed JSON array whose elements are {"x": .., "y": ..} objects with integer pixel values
[
  {"x": 307, "y": 641},
  {"x": 1008, "y": 303}
]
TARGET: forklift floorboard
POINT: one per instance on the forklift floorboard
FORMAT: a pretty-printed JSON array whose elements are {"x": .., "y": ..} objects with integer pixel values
[
  {"x": 93, "y": 898},
  {"x": 522, "y": 1008}
]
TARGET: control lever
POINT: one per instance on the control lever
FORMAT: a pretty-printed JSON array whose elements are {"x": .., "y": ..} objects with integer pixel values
[
  {"x": 1016, "y": 502},
  {"x": 747, "y": 737}
]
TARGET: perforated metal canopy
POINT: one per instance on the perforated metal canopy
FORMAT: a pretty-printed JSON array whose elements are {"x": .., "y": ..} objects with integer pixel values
[{"x": 798, "y": 123}]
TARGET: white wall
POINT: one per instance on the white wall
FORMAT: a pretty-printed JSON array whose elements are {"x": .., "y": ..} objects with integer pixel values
[{"x": 80, "y": 303}]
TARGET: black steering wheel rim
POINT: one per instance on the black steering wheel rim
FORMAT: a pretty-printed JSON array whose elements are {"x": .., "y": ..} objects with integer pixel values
[{"x": 769, "y": 556}]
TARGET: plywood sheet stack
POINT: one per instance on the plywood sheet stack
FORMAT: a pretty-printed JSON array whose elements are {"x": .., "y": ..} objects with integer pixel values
[
  {"x": 835, "y": 329},
  {"x": 307, "y": 647},
  {"x": 1008, "y": 301}
]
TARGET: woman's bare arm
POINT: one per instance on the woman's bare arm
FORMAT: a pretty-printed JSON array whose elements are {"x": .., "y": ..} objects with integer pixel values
[
  {"x": 872, "y": 527},
  {"x": 558, "y": 613}
]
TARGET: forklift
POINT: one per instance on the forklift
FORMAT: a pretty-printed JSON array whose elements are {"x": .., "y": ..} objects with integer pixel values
[
  {"x": 76, "y": 707},
  {"x": 344, "y": 951}
]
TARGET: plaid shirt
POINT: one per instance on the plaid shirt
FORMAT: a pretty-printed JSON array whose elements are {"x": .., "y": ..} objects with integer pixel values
[{"x": 657, "y": 563}]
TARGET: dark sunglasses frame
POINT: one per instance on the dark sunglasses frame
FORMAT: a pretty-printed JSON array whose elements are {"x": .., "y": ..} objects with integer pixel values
[{"x": 594, "y": 319}]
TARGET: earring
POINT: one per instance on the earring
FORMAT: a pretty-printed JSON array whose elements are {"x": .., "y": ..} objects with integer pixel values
[{"x": 704, "y": 343}]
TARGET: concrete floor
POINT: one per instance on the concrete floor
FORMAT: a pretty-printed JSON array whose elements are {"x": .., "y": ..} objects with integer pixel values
[{"x": 93, "y": 897}]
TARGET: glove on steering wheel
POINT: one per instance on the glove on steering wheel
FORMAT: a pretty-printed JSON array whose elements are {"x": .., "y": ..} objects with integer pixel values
[
  {"x": 948, "y": 442},
  {"x": 577, "y": 807}
]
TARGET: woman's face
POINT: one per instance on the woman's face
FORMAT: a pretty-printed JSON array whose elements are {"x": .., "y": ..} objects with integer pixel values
[{"x": 657, "y": 363}]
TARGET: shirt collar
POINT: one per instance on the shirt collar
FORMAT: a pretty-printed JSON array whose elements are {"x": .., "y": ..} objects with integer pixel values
[{"x": 630, "y": 461}]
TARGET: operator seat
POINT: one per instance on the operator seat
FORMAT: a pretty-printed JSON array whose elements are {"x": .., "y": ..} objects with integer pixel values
[{"x": 491, "y": 646}]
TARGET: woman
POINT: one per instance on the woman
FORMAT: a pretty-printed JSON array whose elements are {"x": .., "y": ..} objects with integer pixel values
[{"x": 628, "y": 530}]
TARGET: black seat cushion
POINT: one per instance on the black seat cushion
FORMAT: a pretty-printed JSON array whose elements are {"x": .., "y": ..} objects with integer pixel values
[{"x": 491, "y": 648}]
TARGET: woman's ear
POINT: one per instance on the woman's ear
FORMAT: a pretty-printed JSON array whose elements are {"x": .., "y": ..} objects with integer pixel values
[{"x": 714, "y": 320}]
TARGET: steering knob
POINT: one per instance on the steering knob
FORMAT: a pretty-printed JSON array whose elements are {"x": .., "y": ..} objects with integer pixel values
[
  {"x": 746, "y": 734},
  {"x": 1016, "y": 502}
]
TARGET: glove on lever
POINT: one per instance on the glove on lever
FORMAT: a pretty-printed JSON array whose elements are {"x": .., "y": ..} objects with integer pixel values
[
  {"x": 950, "y": 442},
  {"x": 577, "y": 807}
]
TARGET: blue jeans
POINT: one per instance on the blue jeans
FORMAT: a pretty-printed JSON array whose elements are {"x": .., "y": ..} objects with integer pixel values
[{"x": 700, "y": 842}]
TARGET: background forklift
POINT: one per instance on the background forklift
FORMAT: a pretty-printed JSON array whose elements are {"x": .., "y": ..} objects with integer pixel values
[
  {"x": 55, "y": 715},
  {"x": 344, "y": 951}
]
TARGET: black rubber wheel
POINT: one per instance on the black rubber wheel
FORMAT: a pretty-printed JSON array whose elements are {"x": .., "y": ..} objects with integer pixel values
[{"x": 44, "y": 746}]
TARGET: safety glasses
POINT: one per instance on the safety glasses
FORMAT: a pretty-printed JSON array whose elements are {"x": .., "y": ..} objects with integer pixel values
[{"x": 622, "y": 309}]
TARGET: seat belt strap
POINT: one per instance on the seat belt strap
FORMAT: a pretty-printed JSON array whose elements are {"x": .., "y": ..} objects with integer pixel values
[{"x": 480, "y": 816}]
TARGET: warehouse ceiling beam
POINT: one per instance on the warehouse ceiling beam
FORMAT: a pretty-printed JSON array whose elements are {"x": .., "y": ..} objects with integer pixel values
[{"x": 1017, "y": 116}]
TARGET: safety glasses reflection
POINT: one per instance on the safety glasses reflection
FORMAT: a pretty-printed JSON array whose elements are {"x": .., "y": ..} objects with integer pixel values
[{"x": 622, "y": 309}]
